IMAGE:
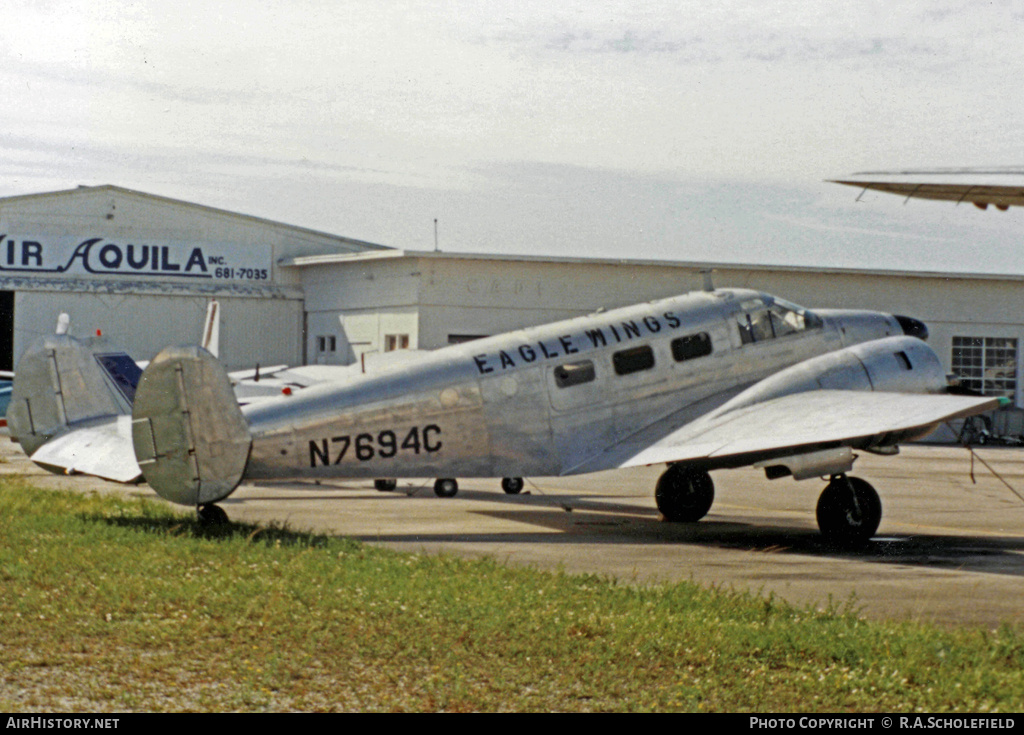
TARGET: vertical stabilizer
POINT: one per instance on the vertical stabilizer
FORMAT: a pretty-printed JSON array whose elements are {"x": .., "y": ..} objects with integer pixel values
[
  {"x": 62, "y": 382},
  {"x": 211, "y": 328},
  {"x": 191, "y": 440}
]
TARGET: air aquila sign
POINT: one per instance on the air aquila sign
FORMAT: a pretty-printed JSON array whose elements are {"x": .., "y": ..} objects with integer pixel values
[{"x": 101, "y": 256}]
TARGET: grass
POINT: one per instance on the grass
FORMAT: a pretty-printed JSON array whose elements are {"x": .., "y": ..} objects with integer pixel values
[{"x": 112, "y": 604}]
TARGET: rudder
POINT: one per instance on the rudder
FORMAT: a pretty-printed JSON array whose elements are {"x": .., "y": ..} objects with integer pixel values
[{"x": 191, "y": 440}]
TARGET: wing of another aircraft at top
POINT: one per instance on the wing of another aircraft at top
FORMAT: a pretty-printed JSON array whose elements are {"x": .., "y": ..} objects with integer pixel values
[
  {"x": 1002, "y": 187},
  {"x": 793, "y": 424}
]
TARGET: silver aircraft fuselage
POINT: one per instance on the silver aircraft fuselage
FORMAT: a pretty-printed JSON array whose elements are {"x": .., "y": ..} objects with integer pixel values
[{"x": 544, "y": 400}]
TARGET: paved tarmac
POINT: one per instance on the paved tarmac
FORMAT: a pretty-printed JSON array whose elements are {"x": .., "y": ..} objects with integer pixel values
[{"x": 948, "y": 550}]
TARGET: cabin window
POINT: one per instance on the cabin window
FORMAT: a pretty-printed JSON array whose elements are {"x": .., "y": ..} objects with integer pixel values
[
  {"x": 987, "y": 365},
  {"x": 687, "y": 348},
  {"x": 574, "y": 373},
  {"x": 633, "y": 360}
]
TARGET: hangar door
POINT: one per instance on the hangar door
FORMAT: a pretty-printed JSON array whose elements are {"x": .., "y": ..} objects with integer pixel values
[{"x": 6, "y": 330}]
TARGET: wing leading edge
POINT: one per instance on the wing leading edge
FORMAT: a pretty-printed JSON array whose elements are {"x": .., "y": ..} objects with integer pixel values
[{"x": 794, "y": 424}]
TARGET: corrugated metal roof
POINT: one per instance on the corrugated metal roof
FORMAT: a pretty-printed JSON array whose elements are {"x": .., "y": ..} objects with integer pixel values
[{"x": 182, "y": 202}]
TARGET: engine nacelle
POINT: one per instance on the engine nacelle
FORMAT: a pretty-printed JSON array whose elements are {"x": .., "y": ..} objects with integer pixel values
[{"x": 899, "y": 364}]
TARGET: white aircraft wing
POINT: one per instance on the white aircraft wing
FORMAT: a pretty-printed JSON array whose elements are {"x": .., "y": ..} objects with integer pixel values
[
  {"x": 103, "y": 449},
  {"x": 1001, "y": 187},
  {"x": 793, "y": 424}
]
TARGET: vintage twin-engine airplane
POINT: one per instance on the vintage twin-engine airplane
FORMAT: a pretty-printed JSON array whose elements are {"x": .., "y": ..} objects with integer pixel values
[{"x": 707, "y": 380}]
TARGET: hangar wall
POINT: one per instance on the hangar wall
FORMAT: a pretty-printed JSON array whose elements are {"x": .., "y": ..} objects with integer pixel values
[
  {"x": 353, "y": 310},
  {"x": 253, "y": 329}
]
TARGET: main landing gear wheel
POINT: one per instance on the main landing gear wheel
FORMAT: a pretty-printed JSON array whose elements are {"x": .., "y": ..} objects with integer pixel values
[
  {"x": 512, "y": 485},
  {"x": 385, "y": 485},
  {"x": 849, "y": 512},
  {"x": 446, "y": 487},
  {"x": 211, "y": 515},
  {"x": 684, "y": 494}
]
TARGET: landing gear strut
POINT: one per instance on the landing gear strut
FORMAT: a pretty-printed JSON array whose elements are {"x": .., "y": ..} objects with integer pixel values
[
  {"x": 211, "y": 515},
  {"x": 849, "y": 512},
  {"x": 446, "y": 487},
  {"x": 512, "y": 485},
  {"x": 684, "y": 494}
]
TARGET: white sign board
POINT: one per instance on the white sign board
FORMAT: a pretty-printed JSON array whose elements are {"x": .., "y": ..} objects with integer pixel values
[{"x": 99, "y": 256}]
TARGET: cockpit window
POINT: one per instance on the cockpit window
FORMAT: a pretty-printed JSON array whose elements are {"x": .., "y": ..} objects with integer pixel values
[
  {"x": 779, "y": 319},
  {"x": 797, "y": 316}
]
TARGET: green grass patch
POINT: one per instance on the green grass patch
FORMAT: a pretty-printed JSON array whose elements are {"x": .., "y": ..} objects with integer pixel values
[{"x": 110, "y": 603}]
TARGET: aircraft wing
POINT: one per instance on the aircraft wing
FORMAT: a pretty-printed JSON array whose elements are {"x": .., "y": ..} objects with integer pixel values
[
  {"x": 103, "y": 449},
  {"x": 794, "y": 424},
  {"x": 1002, "y": 188}
]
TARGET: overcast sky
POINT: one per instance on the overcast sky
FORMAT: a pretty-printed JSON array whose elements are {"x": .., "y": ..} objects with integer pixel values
[{"x": 673, "y": 130}]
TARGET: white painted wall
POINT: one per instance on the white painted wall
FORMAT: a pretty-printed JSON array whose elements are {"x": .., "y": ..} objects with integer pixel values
[{"x": 253, "y": 330}]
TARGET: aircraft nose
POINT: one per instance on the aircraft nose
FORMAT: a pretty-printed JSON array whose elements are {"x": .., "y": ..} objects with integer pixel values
[{"x": 913, "y": 327}]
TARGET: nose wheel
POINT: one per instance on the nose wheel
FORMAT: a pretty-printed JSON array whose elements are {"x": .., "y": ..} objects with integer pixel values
[{"x": 849, "y": 512}]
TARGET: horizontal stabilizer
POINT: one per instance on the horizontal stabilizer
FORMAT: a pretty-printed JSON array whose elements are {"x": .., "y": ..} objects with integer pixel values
[{"x": 104, "y": 450}]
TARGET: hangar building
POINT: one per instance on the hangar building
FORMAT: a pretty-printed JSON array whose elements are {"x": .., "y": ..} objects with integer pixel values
[{"x": 142, "y": 268}]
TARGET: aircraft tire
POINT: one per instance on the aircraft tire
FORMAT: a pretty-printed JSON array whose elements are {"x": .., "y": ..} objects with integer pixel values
[
  {"x": 684, "y": 495},
  {"x": 211, "y": 515},
  {"x": 849, "y": 511},
  {"x": 512, "y": 485},
  {"x": 385, "y": 485},
  {"x": 446, "y": 487}
]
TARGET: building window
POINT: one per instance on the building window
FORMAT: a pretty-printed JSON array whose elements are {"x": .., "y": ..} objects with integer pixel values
[
  {"x": 327, "y": 343},
  {"x": 394, "y": 342},
  {"x": 987, "y": 365}
]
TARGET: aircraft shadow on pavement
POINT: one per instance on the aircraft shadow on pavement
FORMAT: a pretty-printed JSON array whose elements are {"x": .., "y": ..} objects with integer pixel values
[{"x": 584, "y": 519}]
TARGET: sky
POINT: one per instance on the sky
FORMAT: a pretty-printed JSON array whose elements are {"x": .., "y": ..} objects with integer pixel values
[{"x": 671, "y": 130}]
